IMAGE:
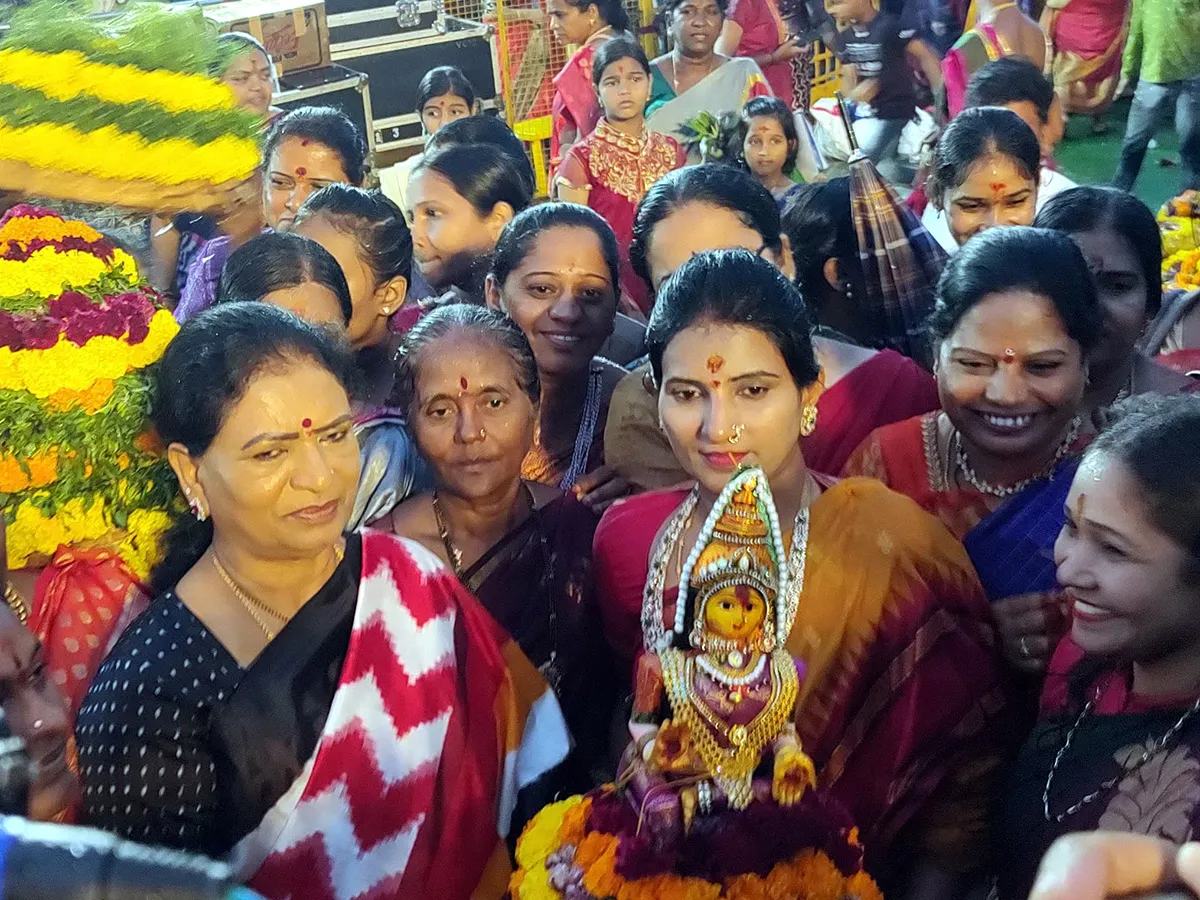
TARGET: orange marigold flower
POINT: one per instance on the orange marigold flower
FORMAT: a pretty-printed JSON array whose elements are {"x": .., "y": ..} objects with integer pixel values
[
  {"x": 149, "y": 442},
  {"x": 863, "y": 887},
  {"x": 597, "y": 856},
  {"x": 42, "y": 470},
  {"x": 91, "y": 400},
  {"x": 574, "y": 824},
  {"x": 747, "y": 887},
  {"x": 669, "y": 887}
]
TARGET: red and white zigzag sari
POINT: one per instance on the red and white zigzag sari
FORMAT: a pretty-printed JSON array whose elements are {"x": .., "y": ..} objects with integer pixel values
[{"x": 437, "y": 722}]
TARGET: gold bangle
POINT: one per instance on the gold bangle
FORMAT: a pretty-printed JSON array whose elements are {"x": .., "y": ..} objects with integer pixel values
[{"x": 16, "y": 602}]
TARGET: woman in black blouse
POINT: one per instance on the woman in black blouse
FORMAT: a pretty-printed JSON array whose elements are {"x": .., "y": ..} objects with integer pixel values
[{"x": 284, "y": 681}]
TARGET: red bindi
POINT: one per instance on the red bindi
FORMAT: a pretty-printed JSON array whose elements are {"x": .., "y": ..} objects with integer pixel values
[
  {"x": 715, "y": 363},
  {"x": 304, "y": 143},
  {"x": 301, "y": 171},
  {"x": 462, "y": 383},
  {"x": 998, "y": 187},
  {"x": 715, "y": 383},
  {"x": 307, "y": 423}
]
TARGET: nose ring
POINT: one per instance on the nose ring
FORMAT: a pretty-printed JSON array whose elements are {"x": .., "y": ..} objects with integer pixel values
[{"x": 737, "y": 433}]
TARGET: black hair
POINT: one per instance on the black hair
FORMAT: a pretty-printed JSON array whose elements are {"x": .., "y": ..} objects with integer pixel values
[
  {"x": 1043, "y": 262},
  {"x": 1010, "y": 79},
  {"x": 1155, "y": 437},
  {"x": 977, "y": 133},
  {"x": 517, "y": 239},
  {"x": 276, "y": 260},
  {"x": 669, "y": 6},
  {"x": 770, "y": 108},
  {"x": 734, "y": 287},
  {"x": 482, "y": 322},
  {"x": 489, "y": 130},
  {"x": 726, "y": 187},
  {"x": 324, "y": 125},
  {"x": 1081, "y": 210},
  {"x": 615, "y": 49},
  {"x": 481, "y": 174},
  {"x": 819, "y": 224},
  {"x": 611, "y": 11},
  {"x": 445, "y": 80},
  {"x": 376, "y": 223},
  {"x": 204, "y": 372}
]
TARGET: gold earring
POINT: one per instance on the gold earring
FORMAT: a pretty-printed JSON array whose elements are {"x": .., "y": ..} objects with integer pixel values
[{"x": 808, "y": 420}]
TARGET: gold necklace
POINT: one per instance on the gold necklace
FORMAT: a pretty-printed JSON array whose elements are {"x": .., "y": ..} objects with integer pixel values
[{"x": 252, "y": 604}]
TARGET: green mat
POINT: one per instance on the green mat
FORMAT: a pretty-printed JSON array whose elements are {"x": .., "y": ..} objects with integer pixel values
[{"x": 1092, "y": 159}]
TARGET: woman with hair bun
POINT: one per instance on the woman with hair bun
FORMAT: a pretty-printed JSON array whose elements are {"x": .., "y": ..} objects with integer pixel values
[{"x": 736, "y": 381}]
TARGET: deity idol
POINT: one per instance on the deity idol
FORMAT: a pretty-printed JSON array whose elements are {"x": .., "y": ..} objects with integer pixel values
[{"x": 717, "y": 797}]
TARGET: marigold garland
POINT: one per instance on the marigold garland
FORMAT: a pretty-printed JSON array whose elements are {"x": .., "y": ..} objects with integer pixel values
[
  {"x": 1182, "y": 269},
  {"x": 68, "y": 74},
  {"x": 66, "y": 366},
  {"x": 110, "y": 153},
  {"x": 27, "y": 223},
  {"x": 47, "y": 272}
]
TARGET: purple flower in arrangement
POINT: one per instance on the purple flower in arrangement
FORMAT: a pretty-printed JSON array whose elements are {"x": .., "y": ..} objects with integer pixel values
[
  {"x": 10, "y": 334},
  {"x": 39, "y": 332}
]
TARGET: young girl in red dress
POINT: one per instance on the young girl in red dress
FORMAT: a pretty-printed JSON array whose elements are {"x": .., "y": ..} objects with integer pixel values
[{"x": 612, "y": 168}]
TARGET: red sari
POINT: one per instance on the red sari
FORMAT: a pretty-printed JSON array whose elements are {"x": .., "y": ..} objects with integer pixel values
[
  {"x": 620, "y": 170},
  {"x": 902, "y": 708},
  {"x": 575, "y": 105}
]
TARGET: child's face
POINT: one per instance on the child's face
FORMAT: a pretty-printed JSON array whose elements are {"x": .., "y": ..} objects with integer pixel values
[
  {"x": 765, "y": 147},
  {"x": 624, "y": 90},
  {"x": 844, "y": 12},
  {"x": 442, "y": 110}
]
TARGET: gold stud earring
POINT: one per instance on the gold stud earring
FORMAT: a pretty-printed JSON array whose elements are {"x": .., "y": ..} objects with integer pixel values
[{"x": 808, "y": 420}]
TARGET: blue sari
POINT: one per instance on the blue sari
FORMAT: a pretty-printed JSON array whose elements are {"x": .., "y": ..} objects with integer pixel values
[{"x": 1013, "y": 546}]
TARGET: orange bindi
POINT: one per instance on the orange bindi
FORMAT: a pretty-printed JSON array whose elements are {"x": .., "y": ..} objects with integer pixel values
[{"x": 715, "y": 363}]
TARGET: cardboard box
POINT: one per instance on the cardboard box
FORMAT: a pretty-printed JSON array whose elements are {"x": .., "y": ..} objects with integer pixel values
[{"x": 294, "y": 32}]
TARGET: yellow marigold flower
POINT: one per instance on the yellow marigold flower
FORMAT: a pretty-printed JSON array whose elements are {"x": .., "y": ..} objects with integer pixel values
[
  {"x": 49, "y": 271},
  {"x": 67, "y": 366},
  {"x": 31, "y": 534},
  {"x": 111, "y": 153},
  {"x": 540, "y": 837},
  {"x": 533, "y": 884},
  {"x": 141, "y": 549},
  {"x": 69, "y": 73},
  {"x": 24, "y": 229}
]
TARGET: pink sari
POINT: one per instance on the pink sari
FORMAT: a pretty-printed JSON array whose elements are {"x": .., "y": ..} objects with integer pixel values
[
  {"x": 1087, "y": 37},
  {"x": 975, "y": 49},
  {"x": 575, "y": 105}
]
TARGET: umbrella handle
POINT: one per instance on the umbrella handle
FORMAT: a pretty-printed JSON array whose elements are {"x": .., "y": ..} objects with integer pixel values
[{"x": 845, "y": 113}]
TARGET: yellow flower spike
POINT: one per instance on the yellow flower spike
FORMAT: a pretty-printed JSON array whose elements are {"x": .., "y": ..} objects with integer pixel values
[
  {"x": 68, "y": 74},
  {"x": 111, "y": 153}
]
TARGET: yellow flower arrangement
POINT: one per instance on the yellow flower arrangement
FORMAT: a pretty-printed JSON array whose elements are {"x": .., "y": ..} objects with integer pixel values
[
  {"x": 110, "y": 153},
  {"x": 68, "y": 74},
  {"x": 1182, "y": 269},
  {"x": 24, "y": 229},
  {"x": 32, "y": 534},
  {"x": 537, "y": 842},
  {"x": 48, "y": 271},
  {"x": 67, "y": 366},
  {"x": 141, "y": 547}
]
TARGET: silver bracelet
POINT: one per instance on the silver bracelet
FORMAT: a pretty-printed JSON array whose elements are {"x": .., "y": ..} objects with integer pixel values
[{"x": 704, "y": 796}]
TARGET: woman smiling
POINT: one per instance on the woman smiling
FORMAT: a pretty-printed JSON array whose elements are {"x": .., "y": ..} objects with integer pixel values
[
  {"x": 1016, "y": 317},
  {"x": 1118, "y": 744},
  {"x": 556, "y": 274}
]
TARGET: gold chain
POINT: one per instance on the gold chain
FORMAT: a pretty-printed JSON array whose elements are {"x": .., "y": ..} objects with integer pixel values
[
  {"x": 732, "y": 767},
  {"x": 16, "y": 602},
  {"x": 252, "y": 604}
]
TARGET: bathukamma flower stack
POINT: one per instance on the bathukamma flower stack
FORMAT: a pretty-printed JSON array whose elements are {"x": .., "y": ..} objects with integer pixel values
[
  {"x": 120, "y": 112},
  {"x": 78, "y": 333}
]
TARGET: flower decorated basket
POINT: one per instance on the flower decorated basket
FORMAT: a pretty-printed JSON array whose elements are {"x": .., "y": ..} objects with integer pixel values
[
  {"x": 119, "y": 112},
  {"x": 77, "y": 335},
  {"x": 594, "y": 848}
]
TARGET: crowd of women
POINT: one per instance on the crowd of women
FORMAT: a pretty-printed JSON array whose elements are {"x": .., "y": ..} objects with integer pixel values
[{"x": 433, "y": 457}]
